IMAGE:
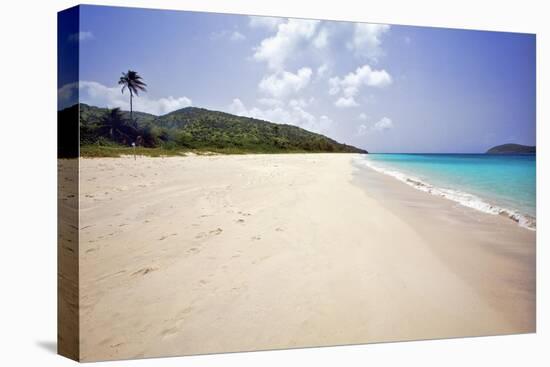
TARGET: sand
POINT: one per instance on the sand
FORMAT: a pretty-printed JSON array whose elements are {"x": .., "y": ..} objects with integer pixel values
[{"x": 207, "y": 254}]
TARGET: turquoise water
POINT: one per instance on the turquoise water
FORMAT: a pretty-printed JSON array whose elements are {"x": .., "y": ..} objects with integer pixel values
[{"x": 492, "y": 183}]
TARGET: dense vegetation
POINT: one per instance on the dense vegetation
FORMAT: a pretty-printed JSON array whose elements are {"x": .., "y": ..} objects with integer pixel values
[
  {"x": 105, "y": 132},
  {"x": 512, "y": 149}
]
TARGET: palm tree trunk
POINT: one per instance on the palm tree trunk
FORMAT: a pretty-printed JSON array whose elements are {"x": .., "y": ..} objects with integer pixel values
[{"x": 131, "y": 109}]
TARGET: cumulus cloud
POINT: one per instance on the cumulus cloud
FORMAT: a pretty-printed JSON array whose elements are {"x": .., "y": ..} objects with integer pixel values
[
  {"x": 290, "y": 36},
  {"x": 362, "y": 130},
  {"x": 321, "y": 39},
  {"x": 67, "y": 95},
  {"x": 97, "y": 94},
  {"x": 384, "y": 124},
  {"x": 269, "y": 23},
  {"x": 66, "y": 91},
  {"x": 237, "y": 107},
  {"x": 362, "y": 116},
  {"x": 292, "y": 113},
  {"x": 271, "y": 102},
  {"x": 367, "y": 40},
  {"x": 348, "y": 86},
  {"x": 346, "y": 102},
  {"x": 322, "y": 70},
  {"x": 81, "y": 36},
  {"x": 301, "y": 102},
  {"x": 237, "y": 36},
  {"x": 284, "y": 83}
]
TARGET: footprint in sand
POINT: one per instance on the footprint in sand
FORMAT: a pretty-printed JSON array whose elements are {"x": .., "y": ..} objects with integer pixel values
[
  {"x": 240, "y": 220},
  {"x": 279, "y": 229},
  {"x": 144, "y": 271},
  {"x": 166, "y": 333},
  {"x": 261, "y": 259},
  {"x": 256, "y": 238},
  {"x": 166, "y": 236},
  {"x": 186, "y": 310},
  {"x": 177, "y": 322},
  {"x": 213, "y": 232},
  {"x": 105, "y": 341}
]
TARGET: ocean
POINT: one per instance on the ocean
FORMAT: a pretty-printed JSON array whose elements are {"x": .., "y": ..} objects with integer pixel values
[{"x": 495, "y": 184}]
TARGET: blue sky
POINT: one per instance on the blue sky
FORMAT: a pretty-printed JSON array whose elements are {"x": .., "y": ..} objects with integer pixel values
[{"x": 386, "y": 88}]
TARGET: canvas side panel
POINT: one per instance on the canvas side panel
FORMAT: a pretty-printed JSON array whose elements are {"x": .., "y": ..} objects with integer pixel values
[{"x": 68, "y": 329}]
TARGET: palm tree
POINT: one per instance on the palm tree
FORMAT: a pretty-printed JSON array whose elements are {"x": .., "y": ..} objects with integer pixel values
[
  {"x": 114, "y": 125},
  {"x": 133, "y": 81}
]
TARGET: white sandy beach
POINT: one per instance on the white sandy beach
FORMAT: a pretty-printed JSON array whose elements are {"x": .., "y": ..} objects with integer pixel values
[{"x": 203, "y": 254}]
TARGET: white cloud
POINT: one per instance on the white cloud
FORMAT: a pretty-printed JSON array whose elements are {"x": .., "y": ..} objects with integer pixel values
[
  {"x": 289, "y": 37},
  {"x": 350, "y": 85},
  {"x": 301, "y": 102},
  {"x": 237, "y": 36},
  {"x": 366, "y": 41},
  {"x": 322, "y": 70},
  {"x": 321, "y": 39},
  {"x": 346, "y": 102},
  {"x": 237, "y": 108},
  {"x": 362, "y": 116},
  {"x": 284, "y": 83},
  {"x": 384, "y": 124},
  {"x": 97, "y": 94},
  {"x": 293, "y": 113},
  {"x": 270, "y": 23},
  {"x": 271, "y": 102},
  {"x": 66, "y": 91},
  {"x": 81, "y": 36}
]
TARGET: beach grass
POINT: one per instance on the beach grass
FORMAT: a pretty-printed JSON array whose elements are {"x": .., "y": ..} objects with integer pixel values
[{"x": 98, "y": 151}]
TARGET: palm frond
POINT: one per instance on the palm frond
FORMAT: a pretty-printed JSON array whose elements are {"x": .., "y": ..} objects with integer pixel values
[{"x": 133, "y": 81}]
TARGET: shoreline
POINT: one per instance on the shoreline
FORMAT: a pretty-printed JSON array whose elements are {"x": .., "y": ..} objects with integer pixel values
[
  {"x": 461, "y": 197},
  {"x": 212, "y": 254}
]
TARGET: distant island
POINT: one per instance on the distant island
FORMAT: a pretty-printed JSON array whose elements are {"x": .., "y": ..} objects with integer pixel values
[
  {"x": 110, "y": 132},
  {"x": 512, "y": 149}
]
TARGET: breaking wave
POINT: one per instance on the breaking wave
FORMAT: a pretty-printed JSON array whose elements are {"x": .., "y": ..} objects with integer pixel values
[{"x": 460, "y": 197}]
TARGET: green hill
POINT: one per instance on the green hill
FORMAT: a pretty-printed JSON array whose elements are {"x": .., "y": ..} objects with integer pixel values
[
  {"x": 512, "y": 149},
  {"x": 194, "y": 128}
]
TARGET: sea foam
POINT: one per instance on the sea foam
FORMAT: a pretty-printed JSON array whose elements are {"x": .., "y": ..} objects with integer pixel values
[{"x": 460, "y": 197}]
